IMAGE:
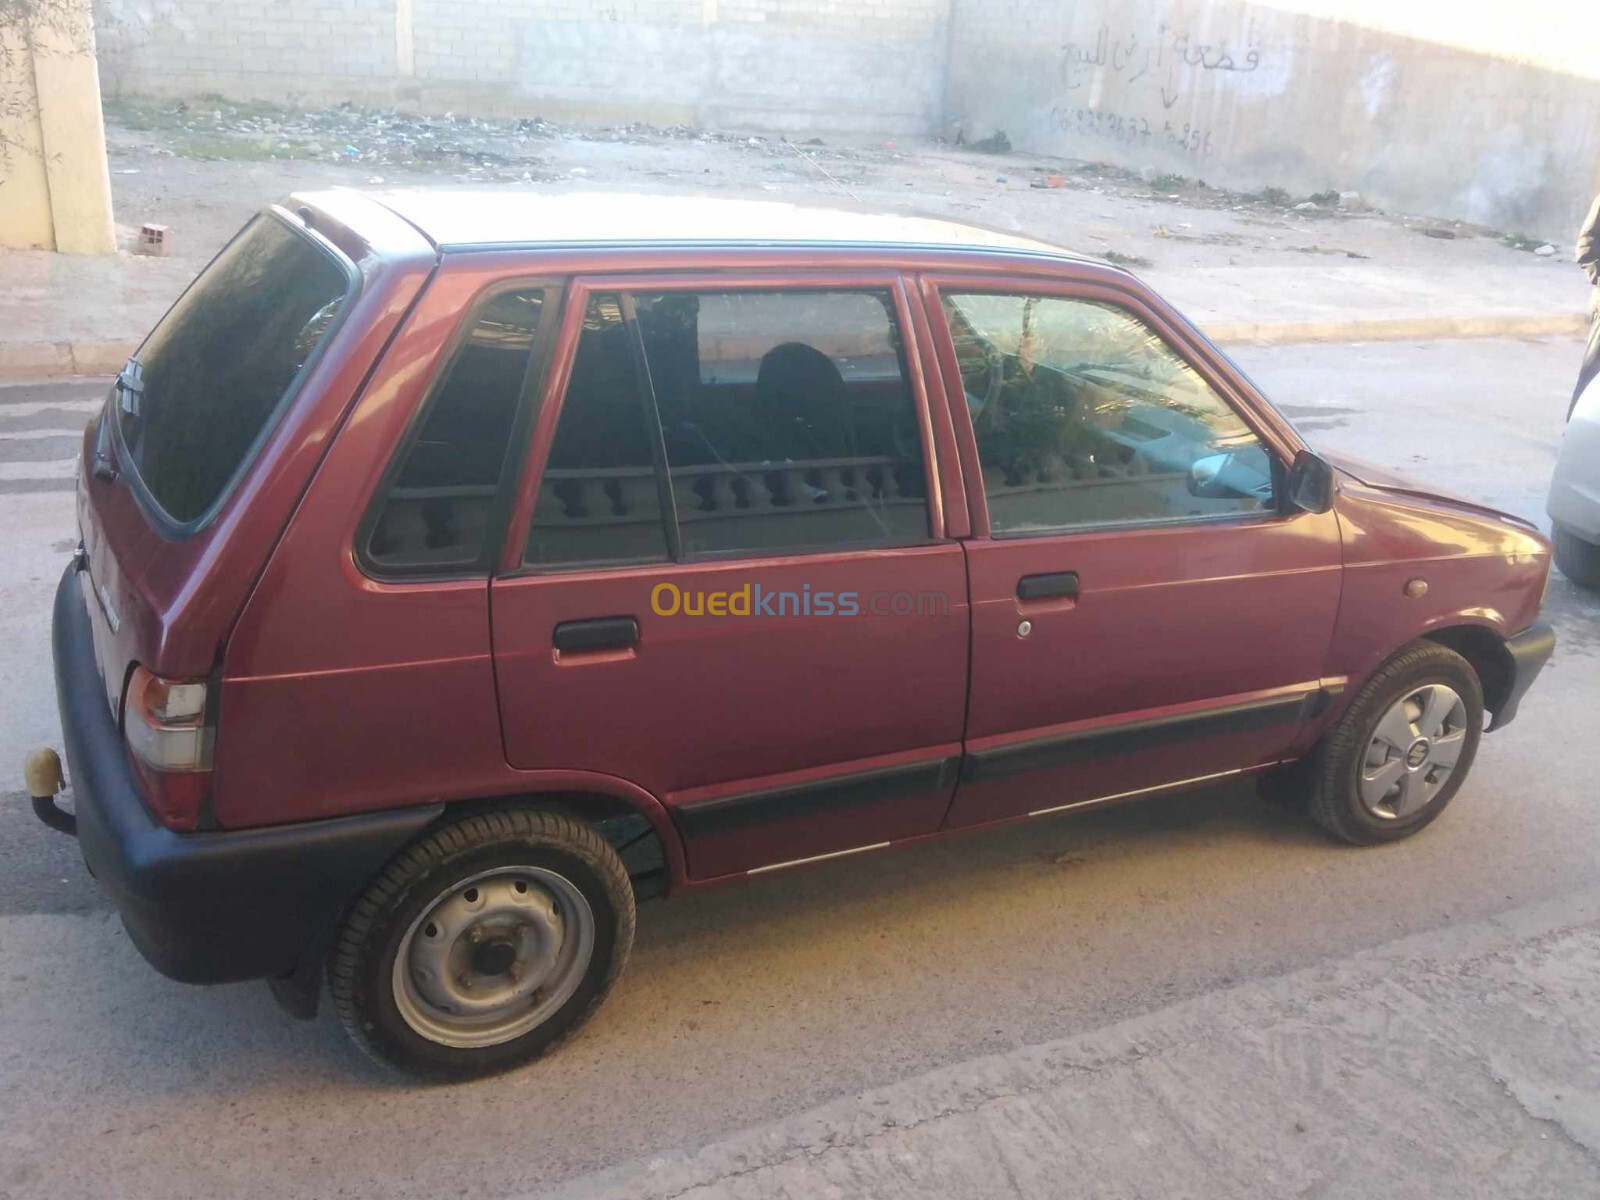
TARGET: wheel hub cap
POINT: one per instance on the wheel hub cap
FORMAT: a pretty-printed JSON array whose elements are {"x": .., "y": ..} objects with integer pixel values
[
  {"x": 1413, "y": 752},
  {"x": 493, "y": 956}
]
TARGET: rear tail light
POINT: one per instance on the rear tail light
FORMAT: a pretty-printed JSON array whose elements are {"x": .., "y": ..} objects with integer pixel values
[{"x": 169, "y": 734}]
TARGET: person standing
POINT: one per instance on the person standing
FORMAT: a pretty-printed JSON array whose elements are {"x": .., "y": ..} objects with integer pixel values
[{"x": 1589, "y": 260}]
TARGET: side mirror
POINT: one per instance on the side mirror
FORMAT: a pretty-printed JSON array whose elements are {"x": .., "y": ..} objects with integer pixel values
[{"x": 1310, "y": 485}]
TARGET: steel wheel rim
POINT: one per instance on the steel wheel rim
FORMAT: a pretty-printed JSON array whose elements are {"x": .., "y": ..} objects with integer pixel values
[
  {"x": 1413, "y": 752},
  {"x": 493, "y": 957}
]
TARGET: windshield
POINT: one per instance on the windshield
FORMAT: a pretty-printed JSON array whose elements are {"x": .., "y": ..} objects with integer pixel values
[{"x": 207, "y": 383}]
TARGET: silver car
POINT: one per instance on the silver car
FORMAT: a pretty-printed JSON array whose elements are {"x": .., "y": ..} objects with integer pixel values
[{"x": 1574, "y": 504}]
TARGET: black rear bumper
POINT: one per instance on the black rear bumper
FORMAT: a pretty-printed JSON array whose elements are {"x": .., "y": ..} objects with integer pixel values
[{"x": 202, "y": 907}]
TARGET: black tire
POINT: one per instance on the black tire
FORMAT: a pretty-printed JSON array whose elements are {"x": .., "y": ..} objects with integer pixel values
[
  {"x": 1332, "y": 771},
  {"x": 361, "y": 964},
  {"x": 1579, "y": 560}
]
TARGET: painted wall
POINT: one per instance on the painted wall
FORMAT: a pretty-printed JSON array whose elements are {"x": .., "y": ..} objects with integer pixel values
[
  {"x": 1250, "y": 95},
  {"x": 55, "y": 189},
  {"x": 818, "y": 65}
]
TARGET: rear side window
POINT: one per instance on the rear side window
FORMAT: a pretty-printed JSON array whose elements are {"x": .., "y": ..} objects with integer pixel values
[
  {"x": 600, "y": 496},
  {"x": 438, "y": 509},
  {"x": 211, "y": 377},
  {"x": 788, "y": 419}
]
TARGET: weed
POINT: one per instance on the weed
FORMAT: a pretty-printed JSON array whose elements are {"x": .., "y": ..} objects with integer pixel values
[{"x": 240, "y": 149}]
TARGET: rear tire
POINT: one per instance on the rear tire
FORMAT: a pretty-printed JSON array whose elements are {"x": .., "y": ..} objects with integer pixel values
[
  {"x": 1400, "y": 751},
  {"x": 1578, "y": 560},
  {"x": 483, "y": 944}
]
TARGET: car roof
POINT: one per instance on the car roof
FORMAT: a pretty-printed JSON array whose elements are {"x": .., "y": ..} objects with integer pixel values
[{"x": 462, "y": 219}]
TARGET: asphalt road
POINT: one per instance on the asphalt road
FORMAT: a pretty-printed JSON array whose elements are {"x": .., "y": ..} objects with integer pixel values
[{"x": 753, "y": 1003}]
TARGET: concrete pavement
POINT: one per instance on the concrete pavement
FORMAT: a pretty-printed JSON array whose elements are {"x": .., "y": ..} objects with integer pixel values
[{"x": 1459, "y": 1063}]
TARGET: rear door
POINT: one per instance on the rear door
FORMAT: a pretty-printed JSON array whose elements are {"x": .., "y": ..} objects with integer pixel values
[
  {"x": 727, "y": 581},
  {"x": 1145, "y": 612}
]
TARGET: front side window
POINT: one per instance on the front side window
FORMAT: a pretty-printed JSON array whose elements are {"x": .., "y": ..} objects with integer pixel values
[
  {"x": 210, "y": 378},
  {"x": 1084, "y": 416},
  {"x": 788, "y": 419},
  {"x": 436, "y": 512}
]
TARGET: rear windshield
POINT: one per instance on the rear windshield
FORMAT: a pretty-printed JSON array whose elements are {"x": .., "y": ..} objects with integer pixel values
[{"x": 207, "y": 382}]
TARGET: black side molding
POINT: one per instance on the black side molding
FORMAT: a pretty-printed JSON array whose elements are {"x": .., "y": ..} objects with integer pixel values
[
  {"x": 729, "y": 813},
  {"x": 1049, "y": 753}
]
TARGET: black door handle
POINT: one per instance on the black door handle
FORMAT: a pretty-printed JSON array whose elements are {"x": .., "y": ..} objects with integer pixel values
[
  {"x": 597, "y": 633},
  {"x": 1040, "y": 587}
]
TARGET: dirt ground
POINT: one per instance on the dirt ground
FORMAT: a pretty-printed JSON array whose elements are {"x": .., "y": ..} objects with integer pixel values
[
  {"x": 1268, "y": 266},
  {"x": 202, "y": 167}
]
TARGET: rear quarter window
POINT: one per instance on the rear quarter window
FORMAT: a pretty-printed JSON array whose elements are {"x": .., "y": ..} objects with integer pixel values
[
  {"x": 211, "y": 378},
  {"x": 438, "y": 511}
]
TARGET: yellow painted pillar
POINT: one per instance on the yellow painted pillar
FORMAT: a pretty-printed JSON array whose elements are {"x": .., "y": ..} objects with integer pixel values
[
  {"x": 67, "y": 78},
  {"x": 24, "y": 191},
  {"x": 55, "y": 186}
]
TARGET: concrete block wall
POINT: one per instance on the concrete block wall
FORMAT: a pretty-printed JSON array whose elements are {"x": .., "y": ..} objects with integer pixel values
[
  {"x": 856, "y": 65},
  {"x": 306, "y": 50},
  {"x": 1250, "y": 95}
]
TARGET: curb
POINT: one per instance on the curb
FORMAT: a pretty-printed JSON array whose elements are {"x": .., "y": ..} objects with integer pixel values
[
  {"x": 31, "y": 361},
  {"x": 1399, "y": 329}
]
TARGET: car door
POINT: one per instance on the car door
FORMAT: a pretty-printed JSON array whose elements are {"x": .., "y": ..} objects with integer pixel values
[
  {"x": 1146, "y": 611},
  {"x": 726, "y": 581}
]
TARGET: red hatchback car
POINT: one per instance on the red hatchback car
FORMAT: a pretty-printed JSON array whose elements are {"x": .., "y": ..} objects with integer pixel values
[{"x": 457, "y": 569}]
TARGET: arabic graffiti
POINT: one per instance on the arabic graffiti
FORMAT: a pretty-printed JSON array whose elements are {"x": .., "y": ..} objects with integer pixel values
[
  {"x": 1131, "y": 129},
  {"x": 1163, "y": 59}
]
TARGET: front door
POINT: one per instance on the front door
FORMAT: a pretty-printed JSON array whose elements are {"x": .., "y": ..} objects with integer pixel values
[
  {"x": 727, "y": 584},
  {"x": 1145, "y": 612}
]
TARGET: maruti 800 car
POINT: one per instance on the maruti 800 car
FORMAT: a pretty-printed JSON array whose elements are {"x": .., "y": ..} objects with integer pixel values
[{"x": 457, "y": 570}]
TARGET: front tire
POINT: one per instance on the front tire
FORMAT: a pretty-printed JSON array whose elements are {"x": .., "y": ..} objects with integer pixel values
[
  {"x": 1577, "y": 559},
  {"x": 1401, "y": 750},
  {"x": 483, "y": 944}
]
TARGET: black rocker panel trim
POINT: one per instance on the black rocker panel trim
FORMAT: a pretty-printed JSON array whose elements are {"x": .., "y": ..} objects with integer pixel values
[
  {"x": 1050, "y": 753},
  {"x": 727, "y": 814}
]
